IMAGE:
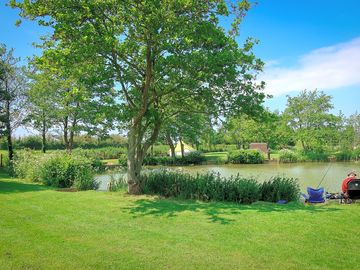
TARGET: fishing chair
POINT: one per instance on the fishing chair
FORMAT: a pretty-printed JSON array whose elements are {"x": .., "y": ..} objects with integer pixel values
[{"x": 315, "y": 195}]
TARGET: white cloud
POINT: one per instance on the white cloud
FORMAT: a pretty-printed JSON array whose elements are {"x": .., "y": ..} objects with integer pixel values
[{"x": 325, "y": 68}]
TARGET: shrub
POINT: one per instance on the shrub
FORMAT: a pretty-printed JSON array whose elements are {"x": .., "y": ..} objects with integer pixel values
[
  {"x": 160, "y": 150},
  {"x": 203, "y": 187},
  {"x": 287, "y": 156},
  {"x": 97, "y": 165},
  {"x": 279, "y": 188},
  {"x": 249, "y": 156},
  {"x": 57, "y": 169},
  {"x": 345, "y": 155},
  {"x": 101, "y": 153},
  {"x": 67, "y": 171},
  {"x": 123, "y": 160},
  {"x": 27, "y": 165},
  {"x": 117, "y": 182},
  {"x": 194, "y": 158},
  {"x": 356, "y": 153},
  {"x": 315, "y": 155}
]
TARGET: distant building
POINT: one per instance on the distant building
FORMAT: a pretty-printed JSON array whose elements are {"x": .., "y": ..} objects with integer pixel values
[
  {"x": 187, "y": 149},
  {"x": 262, "y": 147}
]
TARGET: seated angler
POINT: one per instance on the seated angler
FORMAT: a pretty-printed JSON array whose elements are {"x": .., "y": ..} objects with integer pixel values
[{"x": 351, "y": 175}]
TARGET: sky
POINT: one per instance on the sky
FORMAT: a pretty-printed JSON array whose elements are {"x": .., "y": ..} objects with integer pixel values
[{"x": 305, "y": 44}]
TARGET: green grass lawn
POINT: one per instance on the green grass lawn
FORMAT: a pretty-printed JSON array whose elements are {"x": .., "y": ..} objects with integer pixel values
[
  {"x": 216, "y": 157},
  {"x": 110, "y": 161},
  {"x": 41, "y": 228},
  {"x": 274, "y": 156}
]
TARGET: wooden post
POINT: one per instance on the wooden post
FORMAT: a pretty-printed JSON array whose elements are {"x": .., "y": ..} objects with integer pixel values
[{"x": 1, "y": 160}]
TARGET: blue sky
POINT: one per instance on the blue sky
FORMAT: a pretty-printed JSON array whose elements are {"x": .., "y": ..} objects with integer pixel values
[{"x": 306, "y": 44}]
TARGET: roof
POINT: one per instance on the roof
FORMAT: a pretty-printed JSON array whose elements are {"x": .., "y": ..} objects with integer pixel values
[
  {"x": 186, "y": 147},
  {"x": 260, "y": 146}
]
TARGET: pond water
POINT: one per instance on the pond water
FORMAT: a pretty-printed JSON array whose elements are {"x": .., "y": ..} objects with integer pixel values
[{"x": 309, "y": 173}]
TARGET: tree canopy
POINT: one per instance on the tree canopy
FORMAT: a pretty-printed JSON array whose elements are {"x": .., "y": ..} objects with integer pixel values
[{"x": 164, "y": 57}]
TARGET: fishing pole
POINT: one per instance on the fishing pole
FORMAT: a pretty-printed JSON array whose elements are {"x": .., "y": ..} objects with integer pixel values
[{"x": 322, "y": 179}]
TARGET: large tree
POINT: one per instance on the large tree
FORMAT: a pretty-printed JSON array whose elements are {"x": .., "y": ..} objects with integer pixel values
[
  {"x": 12, "y": 91},
  {"x": 41, "y": 104},
  {"x": 68, "y": 101},
  {"x": 308, "y": 115},
  {"x": 162, "y": 54},
  {"x": 354, "y": 123}
]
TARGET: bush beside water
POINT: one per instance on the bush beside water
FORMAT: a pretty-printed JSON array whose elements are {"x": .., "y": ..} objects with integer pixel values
[
  {"x": 288, "y": 156},
  {"x": 279, "y": 188},
  {"x": 57, "y": 169},
  {"x": 212, "y": 187},
  {"x": 246, "y": 157}
]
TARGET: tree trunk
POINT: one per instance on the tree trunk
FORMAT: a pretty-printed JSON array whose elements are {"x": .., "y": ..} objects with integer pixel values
[
  {"x": 9, "y": 131},
  {"x": 137, "y": 148},
  {"x": 43, "y": 146},
  {"x": 303, "y": 145},
  {"x": 182, "y": 148},
  {"x": 134, "y": 161},
  {"x": 72, "y": 130},
  {"x": 136, "y": 153},
  {"x": 66, "y": 132},
  {"x": 71, "y": 141},
  {"x": 171, "y": 144}
]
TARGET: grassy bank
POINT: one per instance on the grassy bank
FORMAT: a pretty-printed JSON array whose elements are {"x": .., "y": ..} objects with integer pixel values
[
  {"x": 216, "y": 157},
  {"x": 42, "y": 228}
]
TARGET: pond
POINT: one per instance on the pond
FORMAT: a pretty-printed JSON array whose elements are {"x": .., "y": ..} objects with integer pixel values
[{"x": 309, "y": 173}]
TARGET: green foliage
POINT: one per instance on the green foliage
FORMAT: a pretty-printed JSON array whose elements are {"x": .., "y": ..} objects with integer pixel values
[
  {"x": 195, "y": 157},
  {"x": 27, "y": 165},
  {"x": 347, "y": 155},
  {"x": 279, "y": 188},
  {"x": 56, "y": 169},
  {"x": 288, "y": 156},
  {"x": 216, "y": 157},
  {"x": 246, "y": 157},
  {"x": 218, "y": 148},
  {"x": 206, "y": 187},
  {"x": 68, "y": 171},
  {"x": 166, "y": 57},
  {"x": 31, "y": 142},
  {"x": 123, "y": 160},
  {"x": 101, "y": 153},
  {"x": 310, "y": 120},
  {"x": 313, "y": 155},
  {"x": 160, "y": 150},
  {"x": 5, "y": 158},
  {"x": 192, "y": 158},
  {"x": 117, "y": 182}
]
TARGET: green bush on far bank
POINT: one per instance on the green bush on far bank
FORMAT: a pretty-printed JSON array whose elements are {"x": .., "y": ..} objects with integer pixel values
[
  {"x": 248, "y": 156},
  {"x": 288, "y": 156}
]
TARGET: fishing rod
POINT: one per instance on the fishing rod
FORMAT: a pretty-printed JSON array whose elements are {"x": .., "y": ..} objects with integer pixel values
[{"x": 322, "y": 179}]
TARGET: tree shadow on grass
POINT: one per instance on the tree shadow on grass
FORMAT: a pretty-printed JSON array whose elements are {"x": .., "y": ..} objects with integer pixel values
[
  {"x": 218, "y": 212},
  {"x": 7, "y": 187}
]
